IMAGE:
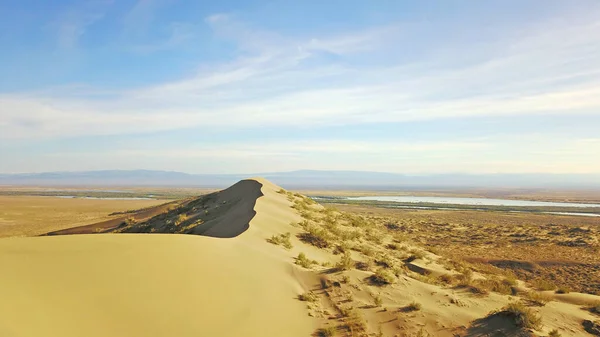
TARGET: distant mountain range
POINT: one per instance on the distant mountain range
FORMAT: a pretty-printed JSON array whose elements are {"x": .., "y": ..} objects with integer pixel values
[{"x": 305, "y": 179}]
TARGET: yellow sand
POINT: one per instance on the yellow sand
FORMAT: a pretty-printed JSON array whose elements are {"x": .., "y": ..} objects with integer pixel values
[
  {"x": 111, "y": 285},
  {"x": 33, "y": 215}
]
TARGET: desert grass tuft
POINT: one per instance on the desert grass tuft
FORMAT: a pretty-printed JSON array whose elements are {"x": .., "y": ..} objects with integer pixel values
[
  {"x": 521, "y": 315},
  {"x": 554, "y": 333},
  {"x": 315, "y": 236},
  {"x": 595, "y": 308},
  {"x": 305, "y": 262},
  {"x": 308, "y": 297},
  {"x": 413, "y": 306},
  {"x": 543, "y": 285},
  {"x": 326, "y": 332},
  {"x": 345, "y": 262},
  {"x": 537, "y": 298},
  {"x": 501, "y": 287},
  {"x": 377, "y": 300},
  {"x": 282, "y": 239},
  {"x": 382, "y": 277}
]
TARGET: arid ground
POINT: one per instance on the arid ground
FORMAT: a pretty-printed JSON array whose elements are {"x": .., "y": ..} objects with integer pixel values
[
  {"x": 257, "y": 260},
  {"x": 562, "y": 250},
  {"x": 35, "y": 215}
]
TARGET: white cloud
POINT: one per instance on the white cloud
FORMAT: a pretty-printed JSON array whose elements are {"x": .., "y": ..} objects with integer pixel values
[
  {"x": 72, "y": 24},
  {"x": 527, "y": 154},
  {"x": 280, "y": 81}
]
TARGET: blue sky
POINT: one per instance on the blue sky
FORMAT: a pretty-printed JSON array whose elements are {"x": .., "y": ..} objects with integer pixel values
[{"x": 259, "y": 86}]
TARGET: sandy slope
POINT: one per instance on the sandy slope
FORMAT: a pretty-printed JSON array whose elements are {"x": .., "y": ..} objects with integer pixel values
[
  {"x": 155, "y": 285},
  {"x": 113, "y": 285}
]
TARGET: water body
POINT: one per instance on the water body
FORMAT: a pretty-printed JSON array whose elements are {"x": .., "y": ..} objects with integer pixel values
[
  {"x": 572, "y": 213},
  {"x": 78, "y": 190},
  {"x": 102, "y": 198},
  {"x": 472, "y": 201}
]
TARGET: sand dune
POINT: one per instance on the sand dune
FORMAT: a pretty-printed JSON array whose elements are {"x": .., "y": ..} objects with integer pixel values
[
  {"x": 358, "y": 278},
  {"x": 222, "y": 214},
  {"x": 154, "y": 285}
]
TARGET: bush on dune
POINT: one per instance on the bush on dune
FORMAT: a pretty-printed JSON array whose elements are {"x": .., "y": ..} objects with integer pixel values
[
  {"x": 282, "y": 239},
  {"x": 522, "y": 316},
  {"x": 345, "y": 262},
  {"x": 326, "y": 332},
  {"x": 305, "y": 262},
  {"x": 308, "y": 297},
  {"x": 315, "y": 236},
  {"x": 595, "y": 308},
  {"x": 543, "y": 285},
  {"x": 538, "y": 298},
  {"x": 382, "y": 277}
]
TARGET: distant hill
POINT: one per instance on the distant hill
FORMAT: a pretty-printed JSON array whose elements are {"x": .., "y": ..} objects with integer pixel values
[{"x": 306, "y": 179}]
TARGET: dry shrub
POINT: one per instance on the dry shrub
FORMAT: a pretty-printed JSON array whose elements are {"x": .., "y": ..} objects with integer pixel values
[
  {"x": 282, "y": 239},
  {"x": 413, "y": 306},
  {"x": 349, "y": 235},
  {"x": 385, "y": 262},
  {"x": 308, "y": 297},
  {"x": 367, "y": 250},
  {"x": 382, "y": 277},
  {"x": 366, "y": 266},
  {"x": 415, "y": 255},
  {"x": 537, "y": 298},
  {"x": 446, "y": 279},
  {"x": 510, "y": 279},
  {"x": 326, "y": 332},
  {"x": 400, "y": 270},
  {"x": 543, "y": 285},
  {"x": 305, "y": 262},
  {"x": 465, "y": 278},
  {"x": 315, "y": 236},
  {"x": 392, "y": 226},
  {"x": 522, "y": 316},
  {"x": 374, "y": 236},
  {"x": 554, "y": 333},
  {"x": 595, "y": 308},
  {"x": 356, "y": 221},
  {"x": 473, "y": 287},
  {"x": 501, "y": 287},
  {"x": 345, "y": 262},
  {"x": 457, "y": 302},
  {"x": 377, "y": 300},
  {"x": 354, "y": 323}
]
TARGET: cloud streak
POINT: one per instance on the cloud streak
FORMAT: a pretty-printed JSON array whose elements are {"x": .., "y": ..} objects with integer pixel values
[
  {"x": 279, "y": 81},
  {"x": 73, "y": 23},
  {"x": 528, "y": 154}
]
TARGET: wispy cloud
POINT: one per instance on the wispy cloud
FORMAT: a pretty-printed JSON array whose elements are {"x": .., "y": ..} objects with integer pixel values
[
  {"x": 139, "y": 18},
  {"x": 283, "y": 81},
  {"x": 72, "y": 24},
  {"x": 176, "y": 34},
  {"x": 529, "y": 154}
]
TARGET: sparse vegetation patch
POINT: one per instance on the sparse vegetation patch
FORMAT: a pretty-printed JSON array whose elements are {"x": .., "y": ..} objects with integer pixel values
[
  {"x": 282, "y": 239},
  {"x": 382, "y": 277},
  {"x": 522, "y": 316}
]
